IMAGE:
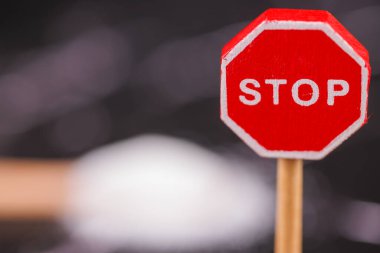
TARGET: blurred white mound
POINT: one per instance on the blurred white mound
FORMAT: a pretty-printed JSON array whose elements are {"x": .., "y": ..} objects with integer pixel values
[{"x": 156, "y": 192}]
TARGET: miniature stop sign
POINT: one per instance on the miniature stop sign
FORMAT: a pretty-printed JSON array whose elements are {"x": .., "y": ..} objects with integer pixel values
[{"x": 294, "y": 84}]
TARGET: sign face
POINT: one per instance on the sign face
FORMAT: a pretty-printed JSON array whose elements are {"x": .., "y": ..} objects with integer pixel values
[{"x": 294, "y": 84}]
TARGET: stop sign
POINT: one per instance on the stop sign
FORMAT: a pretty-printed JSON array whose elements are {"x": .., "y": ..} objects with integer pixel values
[{"x": 294, "y": 84}]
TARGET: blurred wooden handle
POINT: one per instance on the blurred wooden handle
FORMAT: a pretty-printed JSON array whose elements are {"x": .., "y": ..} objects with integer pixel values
[
  {"x": 32, "y": 189},
  {"x": 288, "y": 238}
]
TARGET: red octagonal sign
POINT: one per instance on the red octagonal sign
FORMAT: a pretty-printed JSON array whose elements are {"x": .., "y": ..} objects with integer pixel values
[{"x": 294, "y": 84}]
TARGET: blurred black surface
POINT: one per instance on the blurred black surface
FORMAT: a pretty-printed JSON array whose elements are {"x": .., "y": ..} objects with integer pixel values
[{"x": 178, "y": 33}]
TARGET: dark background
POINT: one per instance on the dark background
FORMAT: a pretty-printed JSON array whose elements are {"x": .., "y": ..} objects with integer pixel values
[{"x": 75, "y": 75}]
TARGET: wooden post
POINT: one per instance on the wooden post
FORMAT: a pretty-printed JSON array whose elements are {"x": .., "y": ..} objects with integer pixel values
[{"x": 288, "y": 237}]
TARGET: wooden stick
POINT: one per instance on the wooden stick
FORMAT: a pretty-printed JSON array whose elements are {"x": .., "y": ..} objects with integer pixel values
[
  {"x": 32, "y": 189},
  {"x": 288, "y": 237}
]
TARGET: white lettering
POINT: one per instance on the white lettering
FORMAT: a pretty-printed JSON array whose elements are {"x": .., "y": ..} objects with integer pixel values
[
  {"x": 245, "y": 89},
  {"x": 332, "y": 92},
  {"x": 314, "y": 94},
  {"x": 276, "y": 86},
  {"x": 252, "y": 96}
]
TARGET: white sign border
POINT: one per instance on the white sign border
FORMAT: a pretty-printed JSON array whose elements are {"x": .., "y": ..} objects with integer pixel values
[{"x": 293, "y": 25}]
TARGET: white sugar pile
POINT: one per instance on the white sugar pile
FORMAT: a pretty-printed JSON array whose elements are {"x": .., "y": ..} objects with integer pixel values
[{"x": 155, "y": 192}]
